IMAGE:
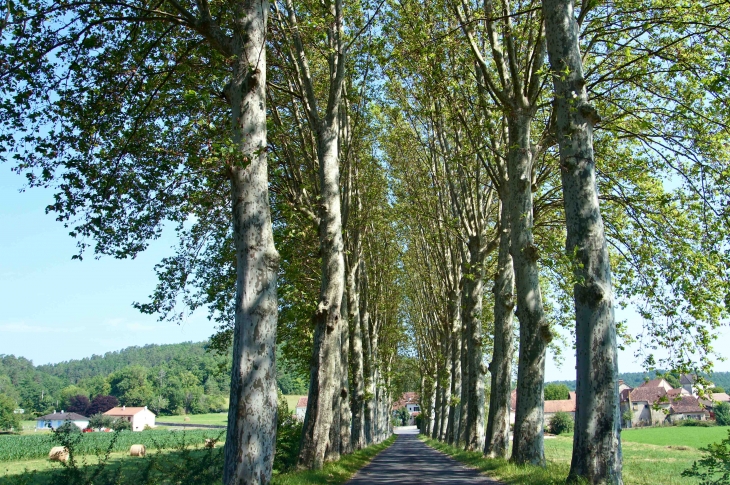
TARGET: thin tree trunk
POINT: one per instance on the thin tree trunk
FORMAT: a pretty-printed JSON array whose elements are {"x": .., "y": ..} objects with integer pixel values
[
  {"x": 528, "y": 446},
  {"x": 356, "y": 361},
  {"x": 344, "y": 393},
  {"x": 473, "y": 314},
  {"x": 251, "y": 434},
  {"x": 437, "y": 406},
  {"x": 432, "y": 403},
  {"x": 497, "y": 440},
  {"x": 454, "y": 408},
  {"x": 368, "y": 366},
  {"x": 446, "y": 388},
  {"x": 597, "y": 437},
  {"x": 464, "y": 404}
]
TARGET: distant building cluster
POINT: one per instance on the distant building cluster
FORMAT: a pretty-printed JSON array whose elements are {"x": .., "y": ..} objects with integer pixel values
[{"x": 656, "y": 402}]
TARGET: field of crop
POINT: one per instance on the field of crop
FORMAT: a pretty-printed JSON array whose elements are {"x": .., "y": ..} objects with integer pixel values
[{"x": 28, "y": 447}]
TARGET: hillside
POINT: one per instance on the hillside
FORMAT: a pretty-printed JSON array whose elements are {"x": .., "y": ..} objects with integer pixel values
[
  {"x": 634, "y": 379},
  {"x": 170, "y": 379}
]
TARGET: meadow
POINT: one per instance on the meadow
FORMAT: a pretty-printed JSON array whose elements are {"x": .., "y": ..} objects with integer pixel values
[{"x": 650, "y": 456}]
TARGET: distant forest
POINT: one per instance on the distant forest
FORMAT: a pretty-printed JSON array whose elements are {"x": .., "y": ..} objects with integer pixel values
[
  {"x": 170, "y": 379},
  {"x": 634, "y": 379}
]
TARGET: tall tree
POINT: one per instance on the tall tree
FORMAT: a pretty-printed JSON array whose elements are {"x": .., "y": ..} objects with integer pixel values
[{"x": 115, "y": 87}]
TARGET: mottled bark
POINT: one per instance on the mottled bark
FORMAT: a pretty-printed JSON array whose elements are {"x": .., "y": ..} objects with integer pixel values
[
  {"x": 356, "y": 361},
  {"x": 463, "y": 405},
  {"x": 454, "y": 408},
  {"x": 472, "y": 313},
  {"x": 446, "y": 387},
  {"x": 597, "y": 437},
  {"x": 251, "y": 433},
  {"x": 534, "y": 329},
  {"x": 496, "y": 442},
  {"x": 344, "y": 393},
  {"x": 431, "y": 405},
  {"x": 437, "y": 406},
  {"x": 368, "y": 367},
  {"x": 324, "y": 381}
]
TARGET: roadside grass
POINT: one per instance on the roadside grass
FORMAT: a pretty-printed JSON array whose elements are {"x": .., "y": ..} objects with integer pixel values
[
  {"x": 644, "y": 464},
  {"x": 334, "y": 473}
]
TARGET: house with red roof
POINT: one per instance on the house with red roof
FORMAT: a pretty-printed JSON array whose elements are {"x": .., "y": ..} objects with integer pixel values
[
  {"x": 550, "y": 407},
  {"x": 301, "y": 410},
  {"x": 410, "y": 401}
]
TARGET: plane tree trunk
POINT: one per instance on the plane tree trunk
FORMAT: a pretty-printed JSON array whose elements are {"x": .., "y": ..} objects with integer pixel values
[
  {"x": 597, "y": 437},
  {"x": 251, "y": 433}
]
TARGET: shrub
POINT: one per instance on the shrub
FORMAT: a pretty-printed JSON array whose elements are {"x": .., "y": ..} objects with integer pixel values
[
  {"x": 288, "y": 435},
  {"x": 560, "y": 423},
  {"x": 695, "y": 422},
  {"x": 68, "y": 428},
  {"x": 722, "y": 414},
  {"x": 122, "y": 425},
  {"x": 99, "y": 421}
]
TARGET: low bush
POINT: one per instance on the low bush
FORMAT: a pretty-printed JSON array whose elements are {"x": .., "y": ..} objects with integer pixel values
[
  {"x": 694, "y": 422},
  {"x": 560, "y": 423}
]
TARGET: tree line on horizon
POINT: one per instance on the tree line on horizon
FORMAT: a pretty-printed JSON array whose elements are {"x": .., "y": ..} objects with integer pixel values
[
  {"x": 170, "y": 379},
  {"x": 367, "y": 181}
]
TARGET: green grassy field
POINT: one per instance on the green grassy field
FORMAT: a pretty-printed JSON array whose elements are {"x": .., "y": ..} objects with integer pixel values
[
  {"x": 215, "y": 418},
  {"x": 210, "y": 418},
  {"x": 651, "y": 456},
  {"x": 291, "y": 401},
  {"x": 694, "y": 437}
]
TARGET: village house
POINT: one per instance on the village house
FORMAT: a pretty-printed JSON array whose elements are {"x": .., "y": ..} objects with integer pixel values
[
  {"x": 301, "y": 409},
  {"x": 408, "y": 400},
  {"x": 139, "y": 417},
  {"x": 54, "y": 420},
  {"x": 657, "y": 402},
  {"x": 550, "y": 407}
]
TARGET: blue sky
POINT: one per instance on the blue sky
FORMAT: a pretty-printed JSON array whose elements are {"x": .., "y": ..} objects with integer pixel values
[{"x": 53, "y": 308}]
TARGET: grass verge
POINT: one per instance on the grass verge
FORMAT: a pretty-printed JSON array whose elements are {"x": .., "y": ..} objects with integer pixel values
[
  {"x": 644, "y": 464},
  {"x": 553, "y": 474},
  {"x": 337, "y": 472}
]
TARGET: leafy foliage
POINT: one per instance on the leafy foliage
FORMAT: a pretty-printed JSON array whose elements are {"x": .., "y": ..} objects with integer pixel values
[
  {"x": 169, "y": 379},
  {"x": 560, "y": 423},
  {"x": 714, "y": 468},
  {"x": 722, "y": 414},
  {"x": 555, "y": 392},
  {"x": 8, "y": 419}
]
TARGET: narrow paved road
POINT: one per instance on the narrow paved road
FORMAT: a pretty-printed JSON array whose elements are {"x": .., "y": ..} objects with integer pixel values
[{"x": 410, "y": 462}]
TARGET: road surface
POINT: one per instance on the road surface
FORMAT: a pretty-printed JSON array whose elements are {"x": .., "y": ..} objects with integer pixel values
[{"x": 409, "y": 461}]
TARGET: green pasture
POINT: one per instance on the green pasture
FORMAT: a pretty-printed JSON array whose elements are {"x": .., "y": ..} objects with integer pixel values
[
  {"x": 694, "y": 437},
  {"x": 651, "y": 456},
  {"x": 209, "y": 418}
]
